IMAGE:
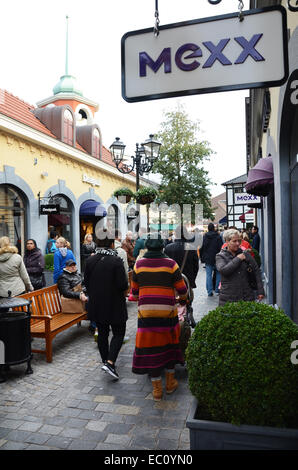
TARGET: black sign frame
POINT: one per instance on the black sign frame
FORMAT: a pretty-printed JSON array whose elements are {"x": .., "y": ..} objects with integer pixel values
[
  {"x": 196, "y": 91},
  {"x": 53, "y": 209}
]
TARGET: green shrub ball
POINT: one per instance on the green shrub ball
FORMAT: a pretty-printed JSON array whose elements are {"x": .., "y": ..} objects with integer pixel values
[{"x": 240, "y": 368}]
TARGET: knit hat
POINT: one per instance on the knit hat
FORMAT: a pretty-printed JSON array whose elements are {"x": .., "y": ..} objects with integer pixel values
[{"x": 154, "y": 243}]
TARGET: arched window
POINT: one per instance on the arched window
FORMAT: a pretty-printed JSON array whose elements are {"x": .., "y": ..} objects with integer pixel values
[
  {"x": 68, "y": 127},
  {"x": 96, "y": 143},
  {"x": 12, "y": 217},
  {"x": 62, "y": 222}
]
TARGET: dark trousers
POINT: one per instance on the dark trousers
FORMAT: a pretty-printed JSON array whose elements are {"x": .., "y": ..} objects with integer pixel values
[{"x": 110, "y": 351}]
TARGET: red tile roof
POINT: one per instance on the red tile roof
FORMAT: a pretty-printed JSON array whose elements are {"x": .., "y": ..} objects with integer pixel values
[{"x": 17, "y": 109}]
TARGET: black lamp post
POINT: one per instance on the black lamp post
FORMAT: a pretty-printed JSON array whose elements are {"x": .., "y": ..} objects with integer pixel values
[{"x": 145, "y": 156}]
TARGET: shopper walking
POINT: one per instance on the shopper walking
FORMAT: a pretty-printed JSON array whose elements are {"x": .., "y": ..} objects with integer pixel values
[
  {"x": 128, "y": 246},
  {"x": 88, "y": 249},
  {"x": 156, "y": 279},
  {"x": 106, "y": 284},
  {"x": 233, "y": 263},
  {"x": 184, "y": 252},
  {"x": 34, "y": 263},
  {"x": 212, "y": 244},
  {"x": 13, "y": 274}
]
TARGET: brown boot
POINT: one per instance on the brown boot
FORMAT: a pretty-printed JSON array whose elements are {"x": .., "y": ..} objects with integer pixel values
[
  {"x": 157, "y": 389},
  {"x": 171, "y": 382}
]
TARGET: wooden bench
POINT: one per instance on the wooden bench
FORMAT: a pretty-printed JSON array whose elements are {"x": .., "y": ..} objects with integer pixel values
[{"x": 46, "y": 317}]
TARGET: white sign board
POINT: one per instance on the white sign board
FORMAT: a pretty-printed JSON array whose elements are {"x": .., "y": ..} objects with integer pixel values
[
  {"x": 206, "y": 55},
  {"x": 245, "y": 198}
]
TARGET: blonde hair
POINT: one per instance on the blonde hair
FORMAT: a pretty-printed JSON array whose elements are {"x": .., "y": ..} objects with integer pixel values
[
  {"x": 64, "y": 242},
  {"x": 244, "y": 236},
  {"x": 5, "y": 246},
  {"x": 85, "y": 238},
  {"x": 229, "y": 234}
]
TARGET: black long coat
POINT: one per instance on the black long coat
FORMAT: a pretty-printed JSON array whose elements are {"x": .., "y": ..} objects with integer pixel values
[
  {"x": 176, "y": 251},
  {"x": 105, "y": 280}
]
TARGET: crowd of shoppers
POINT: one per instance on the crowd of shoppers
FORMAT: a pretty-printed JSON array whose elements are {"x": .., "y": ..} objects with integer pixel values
[{"x": 163, "y": 268}]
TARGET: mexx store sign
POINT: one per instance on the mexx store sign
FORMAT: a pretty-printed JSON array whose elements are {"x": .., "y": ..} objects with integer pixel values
[{"x": 206, "y": 55}]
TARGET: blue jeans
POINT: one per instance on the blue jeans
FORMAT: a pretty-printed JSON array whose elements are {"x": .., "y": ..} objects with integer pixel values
[{"x": 209, "y": 282}]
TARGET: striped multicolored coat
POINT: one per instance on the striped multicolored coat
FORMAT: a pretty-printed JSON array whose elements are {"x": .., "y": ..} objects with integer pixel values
[{"x": 154, "y": 282}]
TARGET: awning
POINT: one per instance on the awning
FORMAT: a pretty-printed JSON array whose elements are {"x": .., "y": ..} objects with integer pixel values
[
  {"x": 260, "y": 178},
  {"x": 92, "y": 208},
  {"x": 243, "y": 216},
  {"x": 223, "y": 221}
]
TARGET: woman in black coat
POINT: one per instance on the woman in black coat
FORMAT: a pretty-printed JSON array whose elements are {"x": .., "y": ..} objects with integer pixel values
[
  {"x": 182, "y": 248},
  {"x": 34, "y": 263}
]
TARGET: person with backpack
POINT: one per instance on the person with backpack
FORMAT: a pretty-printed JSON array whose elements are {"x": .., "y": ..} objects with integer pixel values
[{"x": 51, "y": 243}]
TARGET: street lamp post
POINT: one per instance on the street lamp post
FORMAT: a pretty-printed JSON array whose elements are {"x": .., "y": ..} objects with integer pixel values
[{"x": 145, "y": 156}]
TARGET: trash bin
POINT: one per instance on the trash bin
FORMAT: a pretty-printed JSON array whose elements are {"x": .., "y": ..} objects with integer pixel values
[{"x": 15, "y": 338}]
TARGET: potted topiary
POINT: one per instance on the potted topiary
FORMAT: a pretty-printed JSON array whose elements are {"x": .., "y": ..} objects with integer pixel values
[
  {"x": 243, "y": 380},
  {"x": 124, "y": 193},
  {"x": 145, "y": 195}
]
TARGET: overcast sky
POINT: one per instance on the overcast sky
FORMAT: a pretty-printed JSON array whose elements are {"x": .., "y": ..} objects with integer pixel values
[{"x": 33, "y": 59}]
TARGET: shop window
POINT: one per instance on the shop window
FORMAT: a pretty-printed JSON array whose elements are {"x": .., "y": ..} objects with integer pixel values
[
  {"x": 68, "y": 127},
  {"x": 62, "y": 222},
  {"x": 12, "y": 217}
]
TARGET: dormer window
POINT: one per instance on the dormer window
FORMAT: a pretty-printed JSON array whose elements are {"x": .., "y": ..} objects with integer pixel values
[
  {"x": 96, "y": 143},
  {"x": 68, "y": 127}
]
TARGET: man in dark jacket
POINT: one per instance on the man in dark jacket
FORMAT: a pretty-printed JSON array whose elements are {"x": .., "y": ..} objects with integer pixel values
[
  {"x": 106, "y": 283},
  {"x": 212, "y": 244},
  {"x": 181, "y": 248},
  {"x": 256, "y": 238},
  {"x": 68, "y": 280}
]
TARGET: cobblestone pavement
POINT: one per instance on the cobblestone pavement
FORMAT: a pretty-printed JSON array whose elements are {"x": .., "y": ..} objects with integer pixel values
[{"x": 72, "y": 404}]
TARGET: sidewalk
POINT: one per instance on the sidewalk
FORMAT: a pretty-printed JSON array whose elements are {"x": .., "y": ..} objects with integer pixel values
[{"x": 72, "y": 404}]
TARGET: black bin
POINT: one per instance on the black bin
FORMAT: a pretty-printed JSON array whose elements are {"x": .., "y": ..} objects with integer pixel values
[{"x": 15, "y": 345}]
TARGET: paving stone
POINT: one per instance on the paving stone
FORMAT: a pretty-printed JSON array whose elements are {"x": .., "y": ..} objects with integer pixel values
[
  {"x": 127, "y": 410},
  {"x": 59, "y": 442},
  {"x": 167, "y": 444},
  {"x": 82, "y": 445},
  {"x": 104, "y": 398},
  {"x": 96, "y": 425},
  {"x": 76, "y": 423},
  {"x": 2, "y": 442},
  {"x": 118, "y": 428},
  {"x": 72, "y": 433},
  {"x": 11, "y": 423},
  {"x": 11, "y": 445},
  {"x": 117, "y": 439},
  {"x": 50, "y": 429},
  {"x": 29, "y": 426}
]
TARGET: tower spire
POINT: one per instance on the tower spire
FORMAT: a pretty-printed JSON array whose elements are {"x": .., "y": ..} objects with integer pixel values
[{"x": 66, "y": 53}]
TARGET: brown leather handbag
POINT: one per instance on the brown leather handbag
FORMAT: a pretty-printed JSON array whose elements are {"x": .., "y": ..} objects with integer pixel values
[{"x": 72, "y": 305}]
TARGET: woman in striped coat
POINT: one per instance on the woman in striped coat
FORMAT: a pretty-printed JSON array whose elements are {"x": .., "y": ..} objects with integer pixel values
[{"x": 154, "y": 282}]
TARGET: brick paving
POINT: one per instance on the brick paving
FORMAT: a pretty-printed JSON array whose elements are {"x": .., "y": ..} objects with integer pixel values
[{"x": 72, "y": 404}]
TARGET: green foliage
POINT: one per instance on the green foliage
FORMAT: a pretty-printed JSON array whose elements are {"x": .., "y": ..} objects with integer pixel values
[
  {"x": 181, "y": 163},
  {"x": 49, "y": 262},
  {"x": 257, "y": 256},
  {"x": 147, "y": 194},
  {"x": 123, "y": 192},
  {"x": 239, "y": 365}
]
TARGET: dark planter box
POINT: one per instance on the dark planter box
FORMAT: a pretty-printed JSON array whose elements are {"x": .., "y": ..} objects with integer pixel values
[
  {"x": 49, "y": 278},
  {"x": 212, "y": 435}
]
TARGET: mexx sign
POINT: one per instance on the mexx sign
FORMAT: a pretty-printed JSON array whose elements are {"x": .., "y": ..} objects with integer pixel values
[{"x": 206, "y": 55}]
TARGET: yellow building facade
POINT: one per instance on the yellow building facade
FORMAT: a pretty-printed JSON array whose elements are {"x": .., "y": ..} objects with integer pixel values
[{"x": 40, "y": 167}]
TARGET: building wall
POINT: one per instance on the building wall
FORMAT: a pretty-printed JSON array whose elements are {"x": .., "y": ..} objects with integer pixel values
[{"x": 22, "y": 164}]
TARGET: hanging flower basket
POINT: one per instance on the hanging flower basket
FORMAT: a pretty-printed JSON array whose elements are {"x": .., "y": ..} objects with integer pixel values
[
  {"x": 124, "y": 193},
  {"x": 145, "y": 195}
]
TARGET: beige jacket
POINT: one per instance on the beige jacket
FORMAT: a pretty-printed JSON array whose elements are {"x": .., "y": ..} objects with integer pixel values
[{"x": 13, "y": 274}]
